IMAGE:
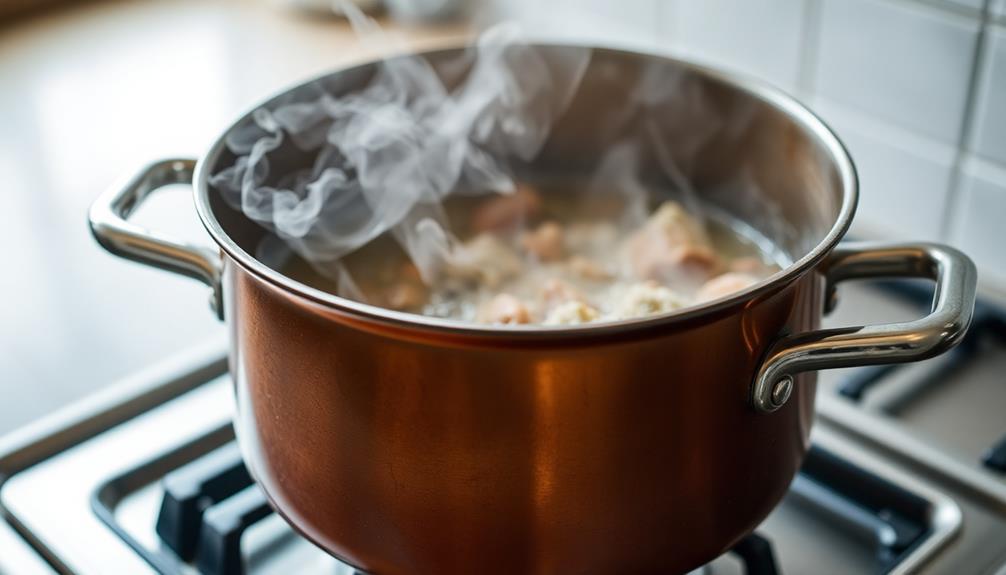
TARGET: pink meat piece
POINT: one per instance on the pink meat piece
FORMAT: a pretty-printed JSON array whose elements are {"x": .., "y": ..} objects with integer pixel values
[
  {"x": 672, "y": 248},
  {"x": 506, "y": 211},
  {"x": 725, "y": 284},
  {"x": 546, "y": 243},
  {"x": 506, "y": 309}
]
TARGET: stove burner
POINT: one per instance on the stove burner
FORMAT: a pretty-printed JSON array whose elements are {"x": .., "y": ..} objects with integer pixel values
[
  {"x": 210, "y": 502},
  {"x": 989, "y": 324},
  {"x": 995, "y": 457},
  {"x": 756, "y": 553},
  {"x": 194, "y": 490},
  {"x": 889, "y": 517}
]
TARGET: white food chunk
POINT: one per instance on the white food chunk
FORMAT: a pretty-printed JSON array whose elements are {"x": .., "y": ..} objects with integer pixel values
[
  {"x": 647, "y": 298},
  {"x": 556, "y": 292},
  {"x": 485, "y": 259},
  {"x": 571, "y": 313}
]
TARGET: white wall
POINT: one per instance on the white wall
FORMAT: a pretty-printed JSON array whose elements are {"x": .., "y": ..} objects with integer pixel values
[{"x": 915, "y": 88}]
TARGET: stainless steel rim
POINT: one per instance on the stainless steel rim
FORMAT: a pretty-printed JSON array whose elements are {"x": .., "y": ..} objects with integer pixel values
[{"x": 754, "y": 87}]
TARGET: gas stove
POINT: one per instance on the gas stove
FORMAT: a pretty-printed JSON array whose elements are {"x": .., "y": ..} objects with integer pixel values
[{"x": 907, "y": 473}]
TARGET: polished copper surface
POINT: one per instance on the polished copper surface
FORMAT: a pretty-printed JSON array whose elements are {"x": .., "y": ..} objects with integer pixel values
[{"x": 412, "y": 452}]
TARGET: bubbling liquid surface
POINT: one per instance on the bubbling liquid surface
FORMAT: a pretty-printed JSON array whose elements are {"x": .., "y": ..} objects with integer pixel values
[{"x": 559, "y": 257}]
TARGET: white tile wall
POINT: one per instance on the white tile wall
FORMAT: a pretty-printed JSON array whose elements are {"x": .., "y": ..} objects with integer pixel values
[
  {"x": 998, "y": 8},
  {"x": 629, "y": 23},
  {"x": 904, "y": 179},
  {"x": 989, "y": 121},
  {"x": 891, "y": 76},
  {"x": 974, "y": 6},
  {"x": 980, "y": 229},
  {"x": 905, "y": 62},
  {"x": 759, "y": 37}
]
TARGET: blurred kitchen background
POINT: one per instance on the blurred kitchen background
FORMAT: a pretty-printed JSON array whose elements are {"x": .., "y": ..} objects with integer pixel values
[{"x": 90, "y": 90}]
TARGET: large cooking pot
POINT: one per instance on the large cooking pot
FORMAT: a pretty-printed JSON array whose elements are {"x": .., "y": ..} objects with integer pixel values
[{"x": 412, "y": 445}]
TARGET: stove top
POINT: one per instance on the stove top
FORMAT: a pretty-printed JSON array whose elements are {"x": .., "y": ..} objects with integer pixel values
[{"x": 907, "y": 474}]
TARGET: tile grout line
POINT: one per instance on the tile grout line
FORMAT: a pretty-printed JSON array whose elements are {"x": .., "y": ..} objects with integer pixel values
[
  {"x": 809, "y": 37},
  {"x": 954, "y": 191}
]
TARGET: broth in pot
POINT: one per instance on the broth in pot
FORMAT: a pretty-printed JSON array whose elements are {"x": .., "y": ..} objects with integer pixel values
[{"x": 533, "y": 257}]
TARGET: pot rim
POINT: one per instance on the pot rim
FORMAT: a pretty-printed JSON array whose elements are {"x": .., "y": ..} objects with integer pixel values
[{"x": 754, "y": 87}]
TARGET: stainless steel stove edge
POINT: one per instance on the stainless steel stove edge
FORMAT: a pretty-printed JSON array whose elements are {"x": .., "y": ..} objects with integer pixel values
[
  {"x": 895, "y": 445},
  {"x": 886, "y": 434},
  {"x": 947, "y": 517},
  {"x": 81, "y": 421}
]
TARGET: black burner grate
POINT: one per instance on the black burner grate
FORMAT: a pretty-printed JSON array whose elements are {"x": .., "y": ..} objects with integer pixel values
[
  {"x": 197, "y": 490},
  {"x": 208, "y": 505}
]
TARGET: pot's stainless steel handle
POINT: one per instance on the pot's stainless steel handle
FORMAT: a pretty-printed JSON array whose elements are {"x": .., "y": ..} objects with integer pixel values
[
  {"x": 109, "y": 219},
  {"x": 953, "y": 306}
]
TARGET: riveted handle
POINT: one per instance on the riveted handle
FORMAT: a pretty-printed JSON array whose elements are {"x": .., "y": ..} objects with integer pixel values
[
  {"x": 953, "y": 306},
  {"x": 109, "y": 220}
]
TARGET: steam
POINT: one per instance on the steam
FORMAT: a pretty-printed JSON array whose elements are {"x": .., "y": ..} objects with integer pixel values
[
  {"x": 384, "y": 159},
  {"x": 389, "y": 155}
]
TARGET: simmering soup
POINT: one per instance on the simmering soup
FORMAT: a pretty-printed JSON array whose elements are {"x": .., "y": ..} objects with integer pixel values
[{"x": 542, "y": 258}]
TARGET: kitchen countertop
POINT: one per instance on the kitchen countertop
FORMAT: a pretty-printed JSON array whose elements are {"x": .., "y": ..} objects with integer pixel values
[{"x": 89, "y": 93}]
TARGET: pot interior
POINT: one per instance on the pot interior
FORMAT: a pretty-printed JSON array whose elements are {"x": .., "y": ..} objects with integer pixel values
[{"x": 742, "y": 147}]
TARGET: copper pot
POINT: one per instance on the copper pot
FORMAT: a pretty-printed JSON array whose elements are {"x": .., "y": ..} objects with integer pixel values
[{"x": 406, "y": 444}]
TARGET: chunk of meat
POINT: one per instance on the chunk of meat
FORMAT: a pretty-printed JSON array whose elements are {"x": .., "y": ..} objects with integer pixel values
[
  {"x": 647, "y": 298},
  {"x": 506, "y": 211},
  {"x": 484, "y": 259},
  {"x": 671, "y": 247},
  {"x": 751, "y": 265},
  {"x": 545, "y": 243},
  {"x": 571, "y": 313},
  {"x": 410, "y": 272},
  {"x": 588, "y": 269},
  {"x": 406, "y": 296},
  {"x": 725, "y": 284},
  {"x": 505, "y": 309},
  {"x": 556, "y": 292}
]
